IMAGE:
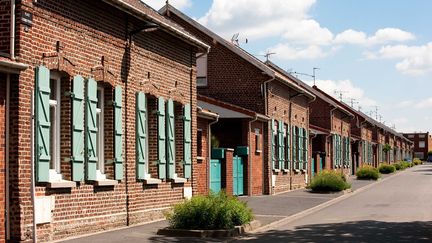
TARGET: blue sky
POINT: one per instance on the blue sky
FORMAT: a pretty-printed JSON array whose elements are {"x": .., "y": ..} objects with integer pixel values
[{"x": 377, "y": 52}]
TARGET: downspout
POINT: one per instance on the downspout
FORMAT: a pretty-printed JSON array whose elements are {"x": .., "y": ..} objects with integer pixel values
[
  {"x": 331, "y": 127},
  {"x": 250, "y": 152},
  {"x": 32, "y": 154},
  {"x": 12, "y": 29},
  {"x": 7, "y": 156},
  {"x": 264, "y": 90}
]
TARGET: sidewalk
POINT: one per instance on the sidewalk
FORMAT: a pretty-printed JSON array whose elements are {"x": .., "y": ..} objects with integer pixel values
[{"x": 267, "y": 209}]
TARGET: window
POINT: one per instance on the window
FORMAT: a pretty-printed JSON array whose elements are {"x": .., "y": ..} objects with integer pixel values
[
  {"x": 257, "y": 141},
  {"x": 276, "y": 145},
  {"x": 201, "y": 63},
  {"x": 419, "y": 155},
  {"x": 421, "y": 144},
  {"x": 54, "y": 104},
  {"x": 287, "y": 147},
  {"x": 199, "y": 143},
  {"x": 422, "y": 136},
  {"x": 100, "y": 143},
  {"x": 411, "y": 136}
]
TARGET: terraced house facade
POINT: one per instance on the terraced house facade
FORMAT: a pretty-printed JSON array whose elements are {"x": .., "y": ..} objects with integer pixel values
[{"x": 111, "y": 87}]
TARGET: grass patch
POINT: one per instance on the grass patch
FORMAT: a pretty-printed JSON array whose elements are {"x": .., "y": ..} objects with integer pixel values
[
  {"x": 215, "y": 211},
  {"x": 329, "y": 181},
  {"x": 368, "y": 173}
]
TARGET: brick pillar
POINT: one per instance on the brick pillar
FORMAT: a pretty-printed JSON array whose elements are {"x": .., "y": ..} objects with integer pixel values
[
  {"x": 2, "y": 155},
  {"x": 229, "y": 155}
]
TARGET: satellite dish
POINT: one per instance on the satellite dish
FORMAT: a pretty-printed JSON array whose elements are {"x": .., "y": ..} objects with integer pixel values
[{"x": 234, "y": 39}]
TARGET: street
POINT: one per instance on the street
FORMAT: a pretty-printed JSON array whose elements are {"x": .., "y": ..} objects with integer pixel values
[{"x": 396, "y": 210}]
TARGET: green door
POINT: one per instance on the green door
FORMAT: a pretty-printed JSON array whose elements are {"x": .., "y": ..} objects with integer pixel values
[
  {"x": 215, "y": 175},
  {"x": 313, "y": 167},
  {"x": 238, "y": 175}
]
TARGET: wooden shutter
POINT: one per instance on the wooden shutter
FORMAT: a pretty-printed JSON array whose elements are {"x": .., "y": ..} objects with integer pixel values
[
  {"x": 294, "y": 147},
  {"x": 288, "y": 146},
  {"x": 306, "y": 148},
  {"x": 187, "y": 145},
  {"x": 161, "y": 138},
  {"x": 170, "y": 134},
  {"x": 281, "y": 145},
  {"x": 91, "y": 129},
  {"x": 141, "y": 135},
  {"x": 300, "y": 147},
  {"x": 78, "y": 134},
  {"x": 334, "y": 150},
  {"x": 273, "y": 145},
  {"x": 118, "y": 133},
  {"x": 43, "y": 123}
]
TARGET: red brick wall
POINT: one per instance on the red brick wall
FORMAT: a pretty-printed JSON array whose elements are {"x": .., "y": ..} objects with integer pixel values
[
  {"x": 4, "y": 26},
  {"x": 255, "y": 173},
  {"x": 2, "y": 155},
  {"x": 156, "y": 63}
]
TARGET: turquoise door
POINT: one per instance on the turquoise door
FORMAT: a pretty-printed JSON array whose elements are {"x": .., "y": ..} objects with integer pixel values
[
  {"x": 238, "y": 176},
  {"x": 215, "y": 175},
  {"x": 313, "y": 167},
  {"x": 321, "y": 163}
]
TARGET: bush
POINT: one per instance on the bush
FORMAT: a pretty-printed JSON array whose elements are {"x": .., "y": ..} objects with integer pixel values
[
  {"x": 417, "y": 161},
  {"x": 368, "y": 173},
  {"x": 405, "y": 164},
  {"x": 329, "y": 181},
  {"x": 398, "y": 166},
  {"x": 386, "y": 169},
  {"x": 215, "y": 211}
]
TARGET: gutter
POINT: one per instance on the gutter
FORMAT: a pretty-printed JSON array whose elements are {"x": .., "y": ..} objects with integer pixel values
[
  {"x": 12, "y": 29},
  {"x": 32, "y": 152}
]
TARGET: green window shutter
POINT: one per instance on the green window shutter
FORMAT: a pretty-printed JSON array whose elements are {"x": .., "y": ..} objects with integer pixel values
[
  {"x": 118, "y": 133},
  {"x": 300, "y": 147},
  {"x": 91, "y": 129},
  {"x": 288, "y": 146},
  {"x": 161, "y": 138},
  {"x": 170, "y": 133},
  {"x": 294, "y": 147},
  {"x": 273, "y": 145},
  {"x": 78, "y": 129},
  {"x": 306, "y": 149},
  {"x": 187, "y": 145},
  {"x": 281, "y": 146},
  {"x": 334, "y": 150},
  {"x": 141, "y": 135},
  {"x": 43, "y": 123}
]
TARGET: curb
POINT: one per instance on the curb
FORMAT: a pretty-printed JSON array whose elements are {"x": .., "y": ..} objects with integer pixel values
[{"x": 321, "y": 206}]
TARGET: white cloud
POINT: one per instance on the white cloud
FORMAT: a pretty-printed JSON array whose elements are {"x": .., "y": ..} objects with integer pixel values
[
  {"x": 350, "y": 91},
  {"x": 405, "y": 104},
  {"x": 414, "y": 60},
  {"x": 424, "y": 104},
  {"x": 381, "y": 36},
  {"x": 158, "y": 4},
  {"x": 289, "y": 52}
]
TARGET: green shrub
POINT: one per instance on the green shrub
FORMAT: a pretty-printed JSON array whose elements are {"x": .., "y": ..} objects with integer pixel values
[
  {"x": 329, "y": 181},
  {"x": 215, "y": 211},
  {"x": 417, "y": 161},
  {"x": 405, "y": 164},
  {"x": 368, "y": 173},
  {"x": 398, "y": 166},
  {"x": 386, "y": 169}
]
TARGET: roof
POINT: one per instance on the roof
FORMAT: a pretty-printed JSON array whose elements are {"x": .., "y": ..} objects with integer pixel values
[
  {"x": 236, "y": 49},
  {"x": 227, "y": 110},
  {"x": 309, "y": 88},
  {"x": 144, "y": 12},
  {"x": 285, "y": 79}
]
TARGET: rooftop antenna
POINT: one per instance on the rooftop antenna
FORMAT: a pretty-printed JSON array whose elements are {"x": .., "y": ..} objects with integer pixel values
[
  {"x": 268, "y": 54},
  {"x": 376, "y": 112},
  {"x": 353, "y": 101},
  {"x": 313, "y": 75},
  {"x": 340, "y": 94},
  {"x": 234, "y": 39},
  {"x": 359, "y": 108}
]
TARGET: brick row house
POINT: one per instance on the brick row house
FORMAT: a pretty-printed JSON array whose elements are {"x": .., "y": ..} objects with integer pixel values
[
  {"x": 263, "y": 117},
  {"x": 422, "y": 143},
  {"x": 112, "y": 84}
]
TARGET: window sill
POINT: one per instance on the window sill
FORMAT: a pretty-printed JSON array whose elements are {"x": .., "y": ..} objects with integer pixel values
[
  {"x": 285, "y": 170},
  {"x": 152, "y": 181},
  {"x": 258, "y": 151},
  {"x": 201, "y": 159},
  {"x": 179, "y": 180},
  {"x": 106, "y": 182},
  {"x": 304, "y": 171},
  {"x": 276, "y": 170},
  {"x": 296, "y": 171},
  {"x": 61, "y": 184}
]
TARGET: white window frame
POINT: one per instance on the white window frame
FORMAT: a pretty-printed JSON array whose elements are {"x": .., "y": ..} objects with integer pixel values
[
  {"x": 205, "y": 58},
  {"x": 422, "y": 144},
  {"x": 55, "y": 172},
  {"x": 100, "y": 132}
]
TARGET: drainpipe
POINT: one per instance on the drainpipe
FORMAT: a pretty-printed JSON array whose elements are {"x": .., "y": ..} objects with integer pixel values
[
  {"x": 32, "y": 152},
  {"x": 250, "y": 152},
  {"x": 264, "y": 90},
  {"x": 12, "y": 29},
  {"x": 7, "y": 156},
  {"x": 331, "y": 127}
]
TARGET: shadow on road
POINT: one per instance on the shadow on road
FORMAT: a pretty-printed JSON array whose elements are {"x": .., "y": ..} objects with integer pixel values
[{"x": 357, "y": 231}]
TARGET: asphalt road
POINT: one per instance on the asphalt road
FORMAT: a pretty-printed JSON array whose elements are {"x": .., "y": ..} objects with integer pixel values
[{"x": 398, "y": 209}]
